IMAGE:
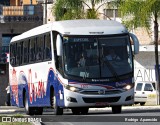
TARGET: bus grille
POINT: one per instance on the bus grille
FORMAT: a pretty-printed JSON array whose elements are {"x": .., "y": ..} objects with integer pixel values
[
  {"x": 94, "y": 100},
  {"x": 96, "y": 92}
]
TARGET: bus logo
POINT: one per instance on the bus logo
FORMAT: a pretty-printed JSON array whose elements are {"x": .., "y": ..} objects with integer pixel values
[{"x": 100, "y": 92}]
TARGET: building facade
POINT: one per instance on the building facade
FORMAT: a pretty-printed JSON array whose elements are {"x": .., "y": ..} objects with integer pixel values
[{"x": 16, "y": 17}]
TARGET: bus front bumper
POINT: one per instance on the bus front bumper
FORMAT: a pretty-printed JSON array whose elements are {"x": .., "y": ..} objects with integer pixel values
[{"x": 74, "y": 99}]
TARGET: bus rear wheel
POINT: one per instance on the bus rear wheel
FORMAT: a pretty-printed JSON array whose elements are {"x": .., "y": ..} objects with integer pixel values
[
  {"x": 57, "y": 109},
  {"x": 116, "y": 109}
]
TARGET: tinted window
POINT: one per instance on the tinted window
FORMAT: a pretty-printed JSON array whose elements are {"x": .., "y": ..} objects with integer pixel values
[
  {"x": 47, "y": 47},
  {"x": 154, "y": 85},
  {"x": 25, "y": 51},
  {"x": 18, "y": 51},
  {"x": 39, "y": 48},
  {"x": 32, "y": 50},
  {"x": 139, "y": 87},
  {"x": 13, "y": 54},
  {"x": 21, "y": 53},
  {"x": 148, "y": 87}
]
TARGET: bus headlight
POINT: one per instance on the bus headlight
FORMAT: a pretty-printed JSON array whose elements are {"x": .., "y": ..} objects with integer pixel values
[
  {"x": 72, "y": 88},
  {"x": 128, "y": 86}
]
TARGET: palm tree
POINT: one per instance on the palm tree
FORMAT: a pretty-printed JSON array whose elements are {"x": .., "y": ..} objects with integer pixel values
[
  {"x": 77, "y": 9},
  {"x": 139, "y": 12}
]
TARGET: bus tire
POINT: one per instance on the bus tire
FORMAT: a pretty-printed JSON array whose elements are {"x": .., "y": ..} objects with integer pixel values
[
  {"x": 84, "y": 111},
  {"x": 116, "y": 109},
  {"x": 75, "y": 111},
  {"x": 29, "y": 110},
  {"x": 38, "y": 110},
  {"x": 142, "y": 103},
  {"x": 57, "y": 109},
  {"x": 78, "y": 111}
]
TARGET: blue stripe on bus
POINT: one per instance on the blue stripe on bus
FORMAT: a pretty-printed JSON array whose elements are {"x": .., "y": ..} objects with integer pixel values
[{"x": 40, "y": 102}]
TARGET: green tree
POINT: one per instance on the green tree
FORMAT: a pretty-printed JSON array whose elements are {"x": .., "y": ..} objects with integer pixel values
[
  {"x": 136, "y": 13},
  {"x": 77, "y": 9}
]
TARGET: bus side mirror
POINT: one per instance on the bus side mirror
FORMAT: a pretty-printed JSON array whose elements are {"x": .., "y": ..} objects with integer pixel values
[
  {"x": 59, "y": 45},
  {"x": 136, "y": 43}
]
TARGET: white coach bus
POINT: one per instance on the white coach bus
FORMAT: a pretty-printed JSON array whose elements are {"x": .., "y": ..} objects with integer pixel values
[{"x": 72, "y": 64}]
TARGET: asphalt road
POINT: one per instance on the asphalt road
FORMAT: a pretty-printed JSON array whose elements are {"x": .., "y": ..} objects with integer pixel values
[{"x": 131, "y": 115}]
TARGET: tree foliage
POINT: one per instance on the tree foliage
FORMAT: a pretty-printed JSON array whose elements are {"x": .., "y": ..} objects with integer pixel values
[
  {"x": 139, "y": 13},
  {"x": 77, "y": 9}
]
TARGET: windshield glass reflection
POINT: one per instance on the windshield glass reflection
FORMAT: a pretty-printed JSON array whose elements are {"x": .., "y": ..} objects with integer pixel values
[{"x": 103, "y": 57}]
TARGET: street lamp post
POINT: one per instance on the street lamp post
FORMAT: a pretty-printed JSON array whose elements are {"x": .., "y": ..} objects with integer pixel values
[
  {"x": 45, "y": 12},
  {"x": 45, "y": 2}
]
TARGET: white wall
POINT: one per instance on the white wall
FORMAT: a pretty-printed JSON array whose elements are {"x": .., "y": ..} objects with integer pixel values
[
  {"x": 145, "y": 67},
  {"x": 145, "y": 64}
]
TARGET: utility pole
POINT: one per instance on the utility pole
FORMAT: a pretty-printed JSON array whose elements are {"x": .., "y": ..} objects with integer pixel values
[
  {"x": 45, "y": 12},
  {"x": 44, "y": 4}
]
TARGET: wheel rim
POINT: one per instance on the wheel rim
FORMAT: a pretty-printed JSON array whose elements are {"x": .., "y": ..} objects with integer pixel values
[
  {"x": 54, "y": 102},
  {"x": 26, "y": 104}
]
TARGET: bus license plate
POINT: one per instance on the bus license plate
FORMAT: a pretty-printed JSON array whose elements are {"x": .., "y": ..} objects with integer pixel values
[{"x": 101, "y": 103}]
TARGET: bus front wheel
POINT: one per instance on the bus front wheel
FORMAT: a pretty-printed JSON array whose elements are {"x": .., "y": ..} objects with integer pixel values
[
  {"x": 142, "y": 103},
  {"x": 116, "y": 109},
  {"x": 84, "y": 111},
  {"x": 38, "y": 110},
  {"x": 77, "y": 111},
  {"x": 29, "y": 110},
  {"x": 57, "y": 109},
  {"x": 32, "y": 110}
]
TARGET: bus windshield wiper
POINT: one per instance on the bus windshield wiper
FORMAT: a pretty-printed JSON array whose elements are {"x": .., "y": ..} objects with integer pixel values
[
  {"x": 111, "y": 69},
  {"x": 85, "y": 73}
]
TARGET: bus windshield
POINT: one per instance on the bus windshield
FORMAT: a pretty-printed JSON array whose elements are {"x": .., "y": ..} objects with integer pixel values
[{"x": 97, "y": 57}]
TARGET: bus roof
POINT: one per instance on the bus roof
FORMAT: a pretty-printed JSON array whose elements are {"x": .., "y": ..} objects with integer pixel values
[{"x": 77, "y": 27}]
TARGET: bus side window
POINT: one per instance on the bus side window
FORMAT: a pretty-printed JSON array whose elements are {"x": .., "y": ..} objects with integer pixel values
[
  {"x": 25, "y": 51},
  {"x": 54, "y": 48},
  {"x": 12, "y": 55},
  {"x": 48, "y": 54},
  {"x": 21, "y": 52},
  {"x": 18, "y": 54},
  {"x": 39, "y": 52},
  {"x": 56, "y": 59},
  {"x": 58, "y": 62},
  {"x": 32, "y": 50}
]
